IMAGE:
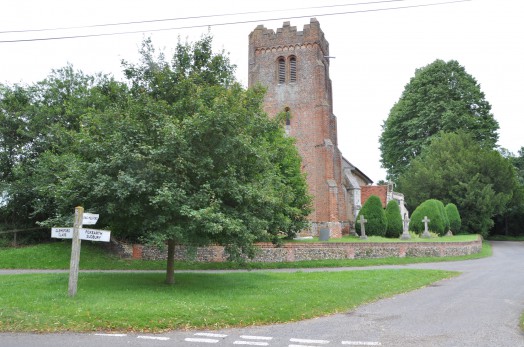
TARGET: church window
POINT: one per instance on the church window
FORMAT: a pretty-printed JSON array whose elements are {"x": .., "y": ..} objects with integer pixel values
[
  {"x": 281, "y": 70},
  {"x": 288, "y": 116},
  {"x": 292, "y": 69}
]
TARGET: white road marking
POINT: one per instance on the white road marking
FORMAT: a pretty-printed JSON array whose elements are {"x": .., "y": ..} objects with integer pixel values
[
  {"x": 251, "y": 343},
  {"x": 160, "y": 338},
  {"x": 320, "y": 342},
  {"x": 189, "y": 339},
  {"x": 112, "y": 335},
  {"x": 361, "y": 343},
  {"x": 300, "y": 346},
  {"x": 210, "y": 335},
  {"x": 249, "y": 337}
]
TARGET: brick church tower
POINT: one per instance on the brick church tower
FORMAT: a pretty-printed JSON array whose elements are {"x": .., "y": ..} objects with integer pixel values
[{"x": 294, "y": 67}]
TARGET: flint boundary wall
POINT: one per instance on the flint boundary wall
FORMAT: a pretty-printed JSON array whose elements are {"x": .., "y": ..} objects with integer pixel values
[{"x": 309, "y": 251}]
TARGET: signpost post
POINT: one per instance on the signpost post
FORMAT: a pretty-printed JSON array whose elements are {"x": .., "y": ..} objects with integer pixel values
[
  {"x": 77, "y": 233},
  {"x": 75, "y": 251}
]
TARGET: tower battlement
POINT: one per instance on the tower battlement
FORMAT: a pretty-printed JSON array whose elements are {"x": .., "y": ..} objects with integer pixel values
[{"x": 263, "y": 39}]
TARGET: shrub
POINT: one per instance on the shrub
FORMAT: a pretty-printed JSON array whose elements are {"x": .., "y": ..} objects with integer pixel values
[
  {"x": 431, "y": 209},
  {"x": 444, "y": 214},
  {"x": 376, "y": 217},
  {"x": 455, "y": 222},
  {"x": 394, "y": 219}
]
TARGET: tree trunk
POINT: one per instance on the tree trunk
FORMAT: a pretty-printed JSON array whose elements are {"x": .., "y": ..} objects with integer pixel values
[{"x": 170, "y": 271}]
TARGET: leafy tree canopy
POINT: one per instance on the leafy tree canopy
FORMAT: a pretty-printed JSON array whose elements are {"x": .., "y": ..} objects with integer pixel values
[
  {"x": 180, "y": 153},
  {"x": 455, "y": 168},
  {"x": 441, "y": 96}
]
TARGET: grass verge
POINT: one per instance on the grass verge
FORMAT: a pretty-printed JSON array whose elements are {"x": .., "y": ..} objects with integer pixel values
[
  {"x": 141, "y": 302},
  {"x": 57, "y": 256},
  {"x": 379, "y": 239}
]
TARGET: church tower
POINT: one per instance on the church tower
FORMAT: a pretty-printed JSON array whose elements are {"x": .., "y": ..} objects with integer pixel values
[{"x": 294, "y": 67}]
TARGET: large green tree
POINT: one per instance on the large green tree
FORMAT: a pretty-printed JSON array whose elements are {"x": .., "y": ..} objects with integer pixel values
[
  {"x": 180, "y": 154},
  {"x": 512, "y": 222},
  {"x": 455, "y": 168},
  {"x": 35, "y": 119},
  {"x": 441, "y": 96}
]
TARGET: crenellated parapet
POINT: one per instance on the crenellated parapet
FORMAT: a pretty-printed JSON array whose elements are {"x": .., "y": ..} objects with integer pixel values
[{"x": 262, "y": 40}]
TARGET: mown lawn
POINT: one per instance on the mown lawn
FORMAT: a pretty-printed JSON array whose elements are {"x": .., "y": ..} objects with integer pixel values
[{"x": 141, "y": 302}]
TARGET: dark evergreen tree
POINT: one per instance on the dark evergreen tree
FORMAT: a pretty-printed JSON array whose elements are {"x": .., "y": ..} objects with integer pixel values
[
  {"x": 431, "y": 209},
  {"x": 454, "y": 217},
  {"x": 455, "y": 168},
  {"x": 374, "y": 213},
  {"x": 394, "y": 219}
]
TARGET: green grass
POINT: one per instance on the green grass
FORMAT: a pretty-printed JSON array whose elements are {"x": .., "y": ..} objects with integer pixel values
[
  {"x": 377, "y": 239},
  {"x": 57, "y": 255},
  {"x": 141, "y": 302}
]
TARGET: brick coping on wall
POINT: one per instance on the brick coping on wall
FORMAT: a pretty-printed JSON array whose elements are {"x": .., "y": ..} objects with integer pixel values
[{"x": 310, "y": 251}]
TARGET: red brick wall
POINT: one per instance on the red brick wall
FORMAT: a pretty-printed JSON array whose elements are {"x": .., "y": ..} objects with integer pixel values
[{"x": 380, "y": 191}]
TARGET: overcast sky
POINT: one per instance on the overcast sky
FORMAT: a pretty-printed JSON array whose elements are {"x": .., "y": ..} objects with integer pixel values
[{"x": 377, "y": 46}]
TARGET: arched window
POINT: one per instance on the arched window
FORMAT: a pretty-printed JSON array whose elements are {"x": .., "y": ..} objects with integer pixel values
[
  {"x": 292, "y": 69},
  {"x": 288, "y": 115},
  {"x": 281, "y": 70}
]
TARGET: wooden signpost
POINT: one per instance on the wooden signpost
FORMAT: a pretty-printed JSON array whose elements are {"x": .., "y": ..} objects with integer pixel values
[{"x": 77, "y": 233}]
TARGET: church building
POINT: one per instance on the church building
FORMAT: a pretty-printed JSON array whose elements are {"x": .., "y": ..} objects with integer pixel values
[{"x": 294, "y": 67}]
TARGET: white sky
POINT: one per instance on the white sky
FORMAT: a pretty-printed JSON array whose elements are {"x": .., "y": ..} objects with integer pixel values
[{"x": 376, "y": 52}]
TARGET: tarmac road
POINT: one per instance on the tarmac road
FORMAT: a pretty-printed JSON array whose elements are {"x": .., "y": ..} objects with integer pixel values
[{"x": 481, "y": 307}]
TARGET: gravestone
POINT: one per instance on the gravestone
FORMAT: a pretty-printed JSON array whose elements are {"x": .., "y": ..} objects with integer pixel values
[
  {"x": 362, "y": 222},
  {"x": 324, "y": 234},
  {"x": 426, "y": 234},
  {"x": 405, "y": 231}
]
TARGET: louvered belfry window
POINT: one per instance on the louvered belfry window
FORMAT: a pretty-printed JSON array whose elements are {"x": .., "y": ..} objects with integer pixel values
[
  {"x": 292, "y": 69},
  {"x": 281, "y": 70}
]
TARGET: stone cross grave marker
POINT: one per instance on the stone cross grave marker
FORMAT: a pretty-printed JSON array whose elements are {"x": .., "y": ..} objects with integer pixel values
[
  {"x": 405, "y": 231},
  {"x": 426, "y": 234},
  {"x": 362, "y": 222}
]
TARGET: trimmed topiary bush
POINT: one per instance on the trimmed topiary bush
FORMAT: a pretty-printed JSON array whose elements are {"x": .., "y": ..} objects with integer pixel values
[
  {"x": 455, "y": 222},
  {"x": 394, "y": 219},
  {"x": 444, "y": 215},
  {"x": 431, "y": 209},
  {"x": 376, "y": 217}
]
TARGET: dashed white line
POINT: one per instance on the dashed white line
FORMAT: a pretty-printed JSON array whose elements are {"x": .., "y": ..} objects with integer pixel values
[
  {"x": 112, "y": 335},
  {"x": 320, "y": 342},
  {"x": 249, "y": 337},
  {"x": 361, "y": 343},
  {"x": 300, "y": 346},
  {"x": 160, "y": 338},
  {"x": 210, "y": 335},
  {"x": 189, "y": 339},
  {"x": 251, "y": 343}
]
